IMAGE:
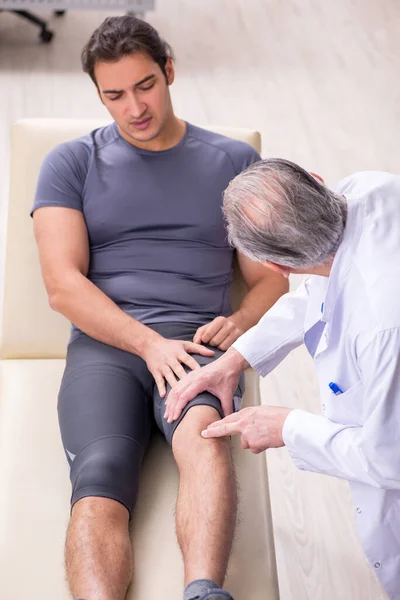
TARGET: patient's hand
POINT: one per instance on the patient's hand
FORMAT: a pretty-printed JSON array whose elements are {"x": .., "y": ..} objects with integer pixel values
[
  {"x": 164, "y": 359},
  {"x": 222, "y": 332}
]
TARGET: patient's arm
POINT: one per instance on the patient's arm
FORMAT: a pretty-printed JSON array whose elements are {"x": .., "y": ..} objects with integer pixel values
[
  {"x": 62, "y": 238},
  {"x": 264, "y": 286}
]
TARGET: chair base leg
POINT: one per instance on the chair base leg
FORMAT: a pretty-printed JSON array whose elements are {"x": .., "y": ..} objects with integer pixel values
[{"x": 45, "y": 34}]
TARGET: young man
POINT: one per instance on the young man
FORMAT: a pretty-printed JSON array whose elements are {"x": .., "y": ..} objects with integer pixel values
[{"x": 134, "y": 253}]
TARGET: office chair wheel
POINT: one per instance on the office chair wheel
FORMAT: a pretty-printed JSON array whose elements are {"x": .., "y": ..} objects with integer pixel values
[
  {"x": 46, "y": 36},
  {"x": 59, "y": 13}
]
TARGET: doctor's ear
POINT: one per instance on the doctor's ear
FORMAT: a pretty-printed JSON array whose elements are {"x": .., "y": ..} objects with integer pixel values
[
  {"x": 285, "y": 271},
  {"x": 317, "y": 177}
]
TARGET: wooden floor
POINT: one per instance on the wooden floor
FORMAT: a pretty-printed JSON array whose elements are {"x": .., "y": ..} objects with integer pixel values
[{"x": 320, "y": 80}]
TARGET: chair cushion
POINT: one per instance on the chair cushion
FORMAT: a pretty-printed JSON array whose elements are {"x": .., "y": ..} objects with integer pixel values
[{"x": 35, "y": 495}]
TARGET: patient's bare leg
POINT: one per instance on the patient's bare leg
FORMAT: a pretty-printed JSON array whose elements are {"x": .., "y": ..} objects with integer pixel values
[
  {"x": 207, "y": 500},
  {"x": 98, "y": 550}
]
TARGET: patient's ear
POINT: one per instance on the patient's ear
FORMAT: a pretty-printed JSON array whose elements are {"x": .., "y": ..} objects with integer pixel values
[
  {"x": 285, "y": 271},
  {"x": 170, "y": 71},
  {"x": 317, "y": 177}
]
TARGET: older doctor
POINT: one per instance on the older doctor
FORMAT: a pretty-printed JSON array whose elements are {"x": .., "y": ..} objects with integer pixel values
[{"x": 347, "y": 312}]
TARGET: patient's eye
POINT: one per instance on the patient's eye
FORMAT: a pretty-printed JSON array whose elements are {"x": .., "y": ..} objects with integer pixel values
[{"x": 147, "y": 87}]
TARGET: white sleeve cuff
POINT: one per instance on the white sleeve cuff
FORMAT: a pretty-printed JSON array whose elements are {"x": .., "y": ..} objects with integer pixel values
[
  {"x": 296, "y": 420},
  {"x": 318, "y": 444}
]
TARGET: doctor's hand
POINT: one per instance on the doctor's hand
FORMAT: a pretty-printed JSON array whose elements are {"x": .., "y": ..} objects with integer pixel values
[
  {"x": 222, "y": 332},
  {"x": 219, "y": 378},
  {"x": 260, "y": 427}
]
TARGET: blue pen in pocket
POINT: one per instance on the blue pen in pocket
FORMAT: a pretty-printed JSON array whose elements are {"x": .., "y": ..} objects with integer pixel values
[{"x": 335, "y": 388}]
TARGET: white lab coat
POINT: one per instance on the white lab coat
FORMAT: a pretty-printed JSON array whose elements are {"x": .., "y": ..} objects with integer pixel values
[{"x": 350, "y": 323}]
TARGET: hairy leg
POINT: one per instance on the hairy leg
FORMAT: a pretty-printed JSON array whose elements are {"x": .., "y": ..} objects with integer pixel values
[
  {"x": 98, "y": 553},
  {"x": 207, "y": 499}
]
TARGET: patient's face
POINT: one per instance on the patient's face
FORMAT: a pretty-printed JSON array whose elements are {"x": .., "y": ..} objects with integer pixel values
[{"x": 136, "y": 94}]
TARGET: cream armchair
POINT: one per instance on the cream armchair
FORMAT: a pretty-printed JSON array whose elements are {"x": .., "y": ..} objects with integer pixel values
[{"x": 34, "y": 484}]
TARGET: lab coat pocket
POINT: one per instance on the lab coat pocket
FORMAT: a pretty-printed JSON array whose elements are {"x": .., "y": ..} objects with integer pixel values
[{"x": 345, "y": 408}]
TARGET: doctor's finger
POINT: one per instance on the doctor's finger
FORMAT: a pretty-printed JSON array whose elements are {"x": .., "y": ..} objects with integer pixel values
[
  {"x": 177, "y": 402},
  {"x": 179, "y": 392},
  {"x": 244, "y": 443},
  {"x": 175, "y": 395},
  {"x": 174, "y": 412},
  {"x": 231, "y": 419},
  {"x": 222, "y": 430},
  {"x": 171, "y": 401}
]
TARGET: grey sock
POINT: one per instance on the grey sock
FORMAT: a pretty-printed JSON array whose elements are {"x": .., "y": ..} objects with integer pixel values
[{"x": 195, "y": 589}]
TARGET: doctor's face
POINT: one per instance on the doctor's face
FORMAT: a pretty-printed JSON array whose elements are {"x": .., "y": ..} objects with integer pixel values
[{"x": 136, "y": 93}]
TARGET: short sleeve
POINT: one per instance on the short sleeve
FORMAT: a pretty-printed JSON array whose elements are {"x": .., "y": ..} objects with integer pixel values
[
  {"x": 247, "y": 158},
  {"x": 62, "y": 177}
]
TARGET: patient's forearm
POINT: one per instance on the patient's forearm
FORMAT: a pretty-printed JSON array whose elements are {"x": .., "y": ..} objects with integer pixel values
[
  {"x": 87, "y": 307},
  {"x": 258, "y": 301}
]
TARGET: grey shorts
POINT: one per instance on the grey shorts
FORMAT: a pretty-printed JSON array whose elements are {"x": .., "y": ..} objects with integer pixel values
[{"x": 108, "y": 407}]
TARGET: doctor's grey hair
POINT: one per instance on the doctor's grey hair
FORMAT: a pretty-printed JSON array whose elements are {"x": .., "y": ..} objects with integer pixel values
[{"x": 278, "y": 212}]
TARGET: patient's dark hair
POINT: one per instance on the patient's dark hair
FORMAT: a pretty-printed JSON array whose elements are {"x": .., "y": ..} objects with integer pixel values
[{"x": 120, "y": 36}]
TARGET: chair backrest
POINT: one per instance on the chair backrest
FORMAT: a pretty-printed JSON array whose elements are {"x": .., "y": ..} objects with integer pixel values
[{"x": 30, "y": 329}]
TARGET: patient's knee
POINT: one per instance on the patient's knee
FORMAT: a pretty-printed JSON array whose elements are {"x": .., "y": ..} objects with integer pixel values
[
  {"x": 97, "y": 507},
  {"x": 188, "y": 442}
]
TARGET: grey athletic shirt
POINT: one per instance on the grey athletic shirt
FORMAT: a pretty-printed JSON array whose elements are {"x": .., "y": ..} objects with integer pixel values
[{"x": 158, "y": 244}]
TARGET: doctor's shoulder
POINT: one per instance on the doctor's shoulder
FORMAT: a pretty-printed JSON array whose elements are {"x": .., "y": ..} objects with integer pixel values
[{"x": 364, "y": 183}]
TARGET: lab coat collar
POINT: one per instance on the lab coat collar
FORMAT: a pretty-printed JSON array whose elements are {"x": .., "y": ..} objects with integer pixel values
[{"x": 344, "y": 255}]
